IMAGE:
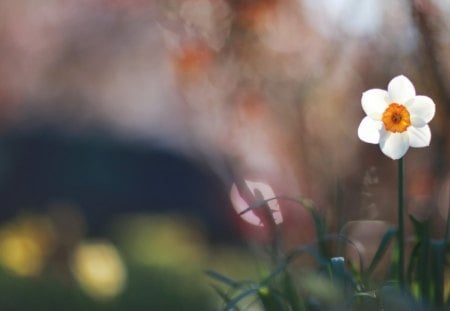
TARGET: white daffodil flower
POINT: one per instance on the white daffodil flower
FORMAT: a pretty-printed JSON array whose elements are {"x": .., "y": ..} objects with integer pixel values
[{"x": 396, "y": 119}]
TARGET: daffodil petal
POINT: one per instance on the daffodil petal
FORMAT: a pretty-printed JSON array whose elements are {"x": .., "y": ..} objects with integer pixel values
[
  {"x": 401, "y": 90},
  {"x": 240, "y": 206},
  {"x": 374, "y": 102},
  {"x": 421, "y": 108},
  {"x": 417, "y": 121},
  {"x": 369, "y": 130},
  {"x": 266, "y": 193},
  {"x": 394, "y": 145},
  {"x": 419, "y": 136}
]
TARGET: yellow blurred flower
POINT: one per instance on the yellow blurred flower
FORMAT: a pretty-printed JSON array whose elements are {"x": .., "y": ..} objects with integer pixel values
[
  {"x": 163, "y": 240},
  {"x": 99, "y": 269},
  {"x": 25, "y": 245}
]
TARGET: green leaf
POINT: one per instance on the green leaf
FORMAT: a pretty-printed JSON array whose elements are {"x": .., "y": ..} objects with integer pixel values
[
  {"x": 337, "y": 265},
  {"x": 319, "y": 289},
  {"x": 272, "y": 300},
  {"x": 421, "y": 228},
  {"x": 394, "y": 298},
  {"x": 310, "y": 250},
  {"x": 223, "y": 279},
  {"x": 318, "y": 220},
  {"x": 422, "y": 231},
  {"x": 292, "y": 294},
  {"x": 437, "y": 269},
  {"x": 234, "y": 302},
  {"x": 342, "y": 237},
  {"x": 341, "y": 275},
  {"x": 225, "y": 297},
  {"x": 307, "y": 204},
  {"x": 292, "y": 255},
  {"x": 385, "y": 241},
  {"x": 413, "y": 260}
]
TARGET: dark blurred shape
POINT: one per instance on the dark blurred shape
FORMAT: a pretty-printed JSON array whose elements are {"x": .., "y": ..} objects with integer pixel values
[{"x": 107, "y": 177}]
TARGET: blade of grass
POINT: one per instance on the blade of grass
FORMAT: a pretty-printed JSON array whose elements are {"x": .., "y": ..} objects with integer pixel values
[
  {"x": 291, "y": 293},
  {"x": 303, "y": 202},
  {"x": 313, "y": 252},
  {"x": 269, "y": 221},
  {"x": 384, "y": 244},
  {"x": 413, "y": 260},
  {"x": 226, "y": 299},
  {"x": 309, "y": 249},
  {"x": 337, "y": 269},
  {"x": 223, "y": 279},
  {"x": 319, "y": 223},
  {"x": 422, "y": 231},
  {"x": 438, "y": 267},
  {"x": 308, "y": 205},
  {"x": 353, "y": 245},
  {"x": 365, "y": 301},
  {"x": 233, "y": 303},
  {"x": 341, "y": 275},
  {"x": 272, "y": 300}
]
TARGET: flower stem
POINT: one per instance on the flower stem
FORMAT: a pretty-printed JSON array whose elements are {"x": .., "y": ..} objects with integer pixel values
[{"x": 401, "y": 229}]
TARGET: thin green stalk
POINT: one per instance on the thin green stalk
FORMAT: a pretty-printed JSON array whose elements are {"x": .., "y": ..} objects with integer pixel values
[
  {"x": 447, "y": 225},
  {"x": 401, "y": 229}
]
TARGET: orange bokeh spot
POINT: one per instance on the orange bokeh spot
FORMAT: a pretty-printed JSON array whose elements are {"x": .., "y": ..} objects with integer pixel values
[
  {"x": 396, "y": 118},
  {"x": 253, "y": 14},
  {"x": 192, "y": 60}
]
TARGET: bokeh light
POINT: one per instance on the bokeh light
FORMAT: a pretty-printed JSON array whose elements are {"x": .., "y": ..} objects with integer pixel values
[
  {"x": 162, "y": 241},
  {"x": 99, "y": 269},
  {"x": 126, "y": 127},
  {"x": 26, "y": 244}
]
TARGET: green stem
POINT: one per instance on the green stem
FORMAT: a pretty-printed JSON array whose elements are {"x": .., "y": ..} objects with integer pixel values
[
  {"x": 401, "y": 229},
  {"x": 447, "y": 225}
]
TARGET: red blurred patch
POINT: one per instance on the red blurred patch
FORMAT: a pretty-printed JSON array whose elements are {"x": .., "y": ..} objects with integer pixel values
[
  {"x": 421, "y": 183},
  {"x": 192, "y": 60},
  {"x": 251, "y": 105},
  {"x": 253, "y": 14},
  {"x": 125, "y": 5}
]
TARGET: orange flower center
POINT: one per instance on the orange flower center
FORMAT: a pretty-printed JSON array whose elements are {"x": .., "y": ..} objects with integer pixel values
[{"x": 396, "y": 118}]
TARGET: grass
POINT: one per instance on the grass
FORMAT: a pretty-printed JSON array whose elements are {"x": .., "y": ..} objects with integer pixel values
[{"x": 334, "y": 282}]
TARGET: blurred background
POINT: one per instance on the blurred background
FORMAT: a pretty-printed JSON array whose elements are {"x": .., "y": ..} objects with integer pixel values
[{"x": 125, "y": 123}]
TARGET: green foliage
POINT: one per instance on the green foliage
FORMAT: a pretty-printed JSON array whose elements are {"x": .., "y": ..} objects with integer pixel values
[
  {"x": 334, "y": 282},
  {"x": 148, "y": 289},
  {"x": 384, "y": 244}
]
